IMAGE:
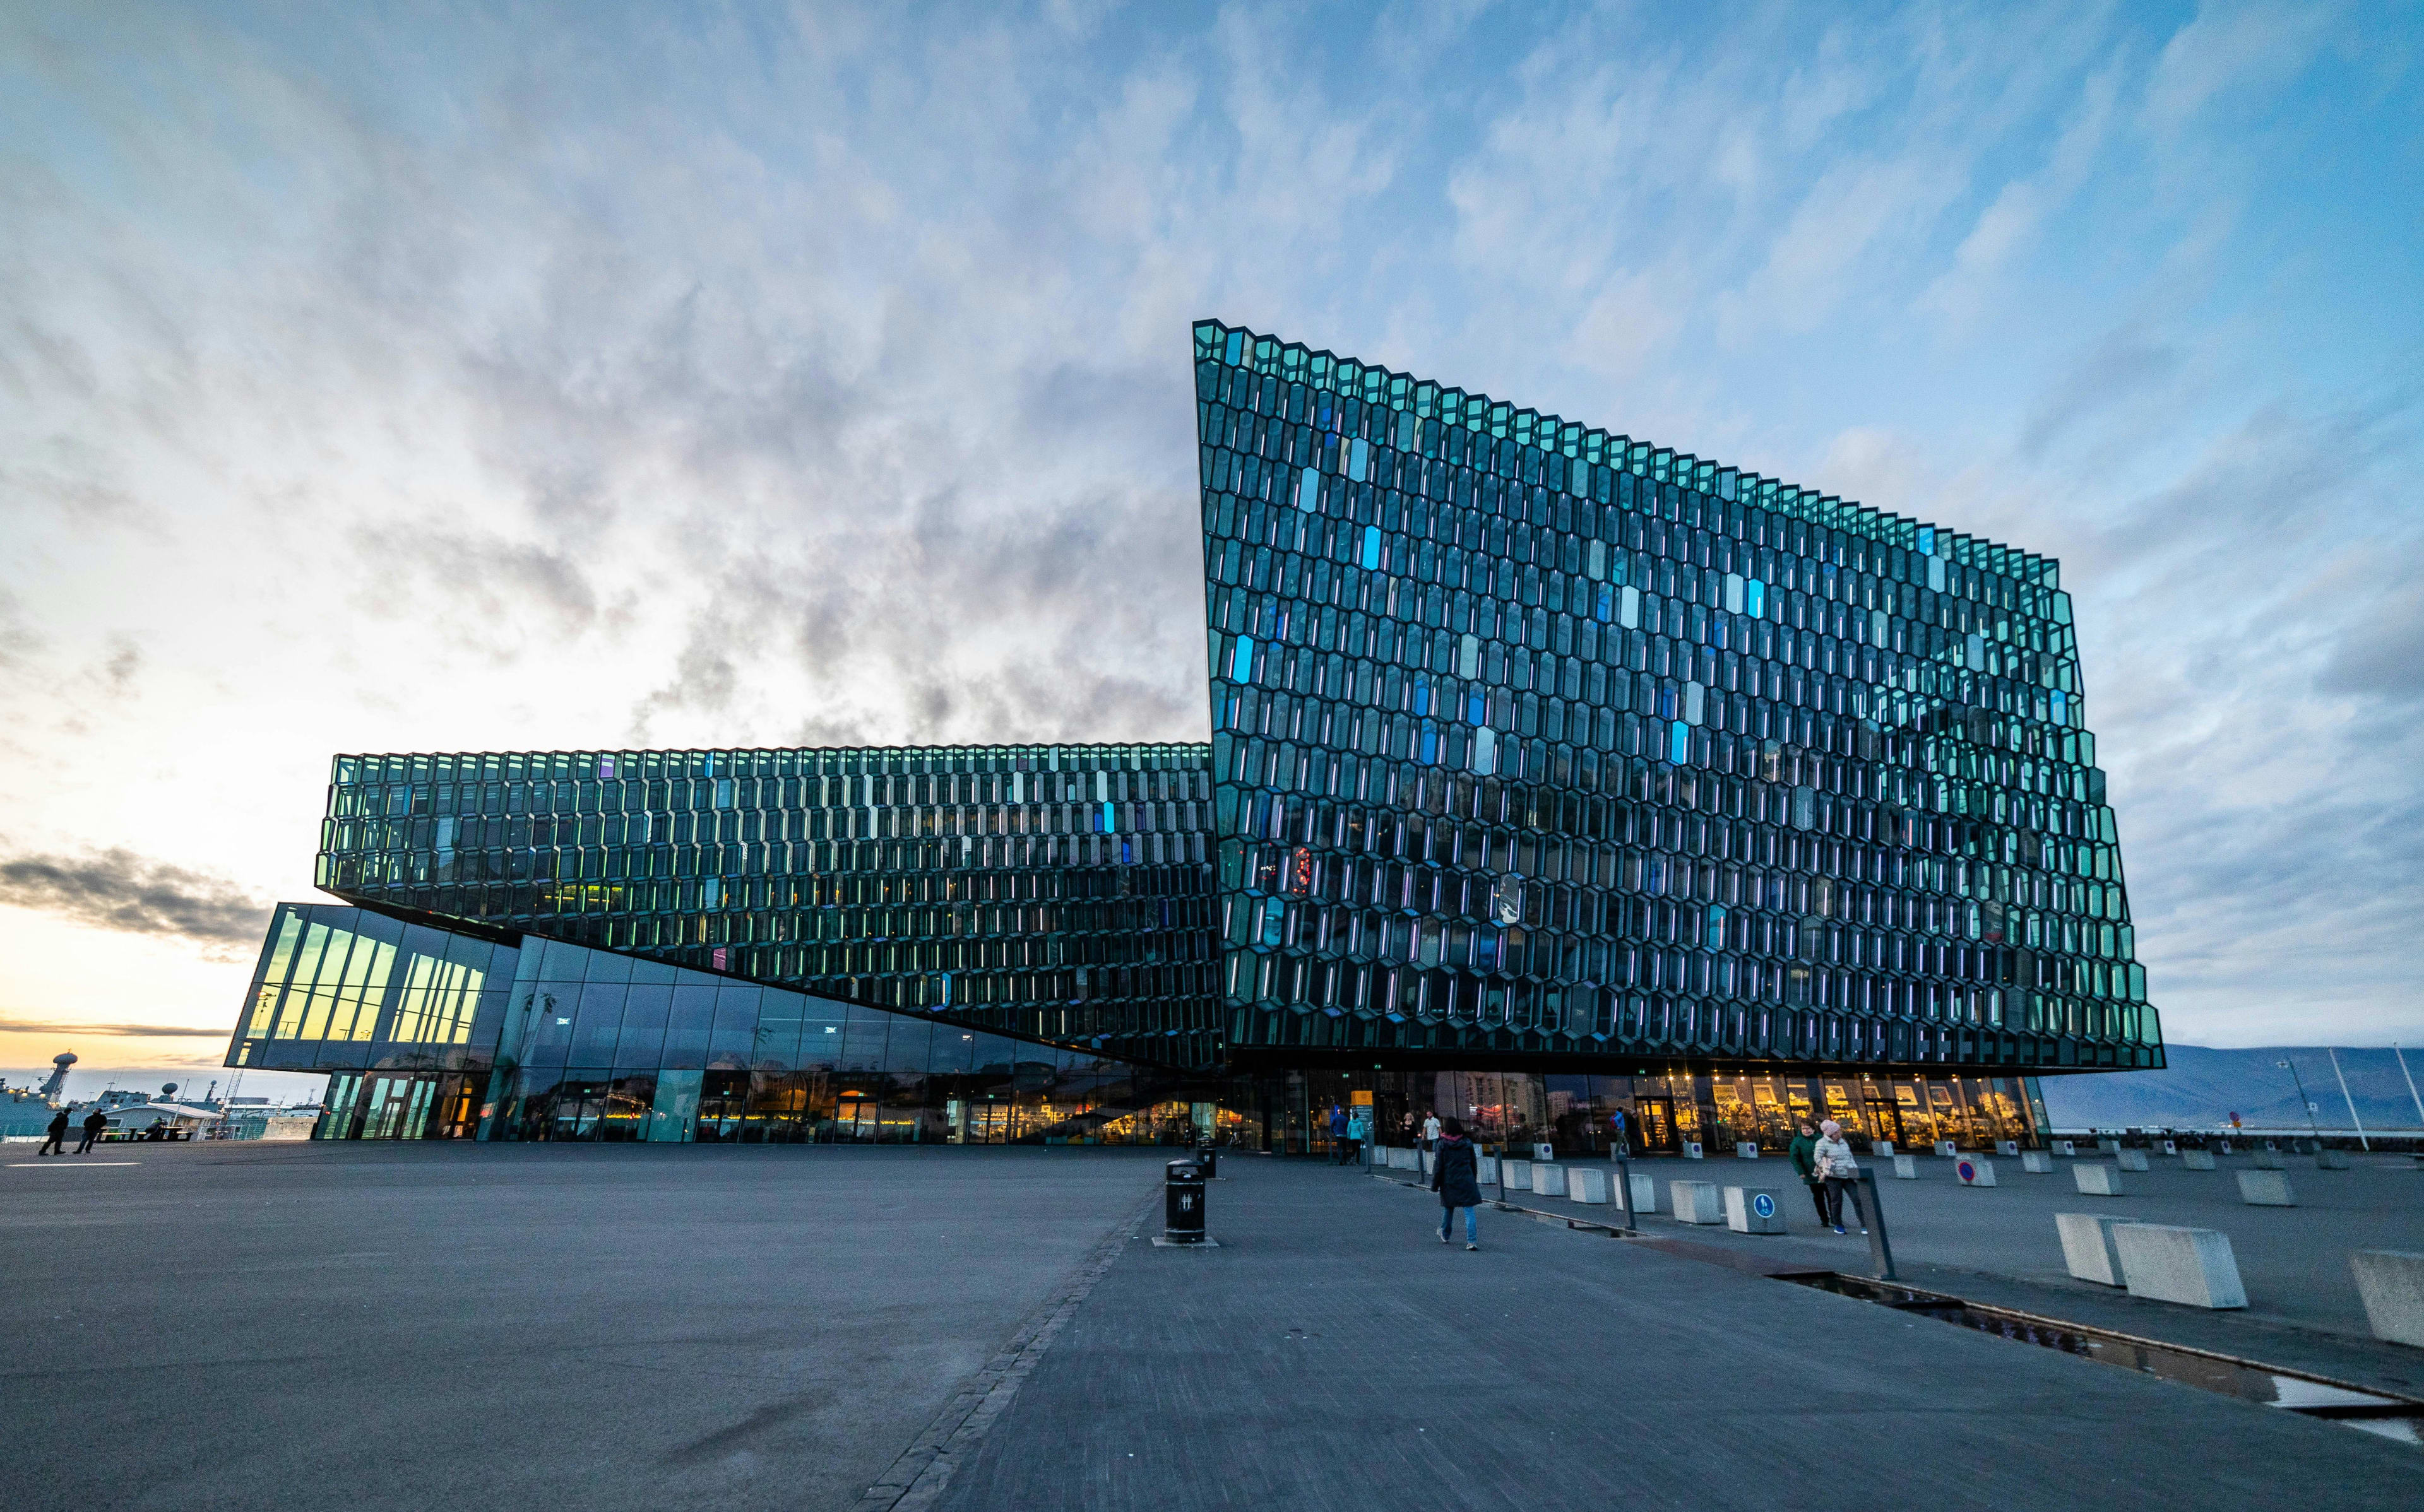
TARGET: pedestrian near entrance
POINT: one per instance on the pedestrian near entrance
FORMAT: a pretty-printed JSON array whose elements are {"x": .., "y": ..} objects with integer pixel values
[
  {"x": 1430, "y": 1131},
  {"x": 1456, "y": 1175},
  {"x": 1838, "y": 1174},
  {"x": 1803, "y": 1153},
  {"x": 57, "y": 1142},
  {"x": 94, "y": 1122},
  {"x": 1338, "y": 1135}
]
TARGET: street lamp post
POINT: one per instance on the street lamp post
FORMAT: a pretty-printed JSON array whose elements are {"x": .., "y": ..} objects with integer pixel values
[{"x": 2303, "y": 1100}]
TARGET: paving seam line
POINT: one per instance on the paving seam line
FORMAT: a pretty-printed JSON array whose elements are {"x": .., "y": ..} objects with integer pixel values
[{"x": 917, "y": 1479}]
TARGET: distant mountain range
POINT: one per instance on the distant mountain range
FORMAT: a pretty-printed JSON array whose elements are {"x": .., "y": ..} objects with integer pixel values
[{"x": 2202, "y": 1088}]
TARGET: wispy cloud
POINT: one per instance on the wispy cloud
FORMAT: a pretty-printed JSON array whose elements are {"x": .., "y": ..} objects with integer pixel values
[
  {"x": 128, "y": 894},
  {"x": 115, "y": 1031}
]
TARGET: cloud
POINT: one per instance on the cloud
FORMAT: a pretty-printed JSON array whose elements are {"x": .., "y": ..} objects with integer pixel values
[
  {"x": 128, "y": 894},
  {"x": 127, "y": 1031},
  {"x": 2382, "y": 654},
  {"x": 2117, "y": 369}
]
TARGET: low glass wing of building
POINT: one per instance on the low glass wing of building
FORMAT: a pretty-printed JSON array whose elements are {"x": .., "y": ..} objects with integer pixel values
[
  {"x": 1532, "y": 743},
  {"x": 1057, "y": 893}
]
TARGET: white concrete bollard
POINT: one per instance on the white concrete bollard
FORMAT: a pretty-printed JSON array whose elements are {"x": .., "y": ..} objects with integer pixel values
[
  {"x": 1696, "y": 1202},
  {"x": 2087, "y": 1250},
  {"x": 1544, "y": 1153},
  {"x": 1746, "y": 1150},
  {"x": 1692, "y": 1150},
  {"x": 1430, "y": 1161},
  {"x": 2331, "y": 1160},
  {"x": 1881, "y": 1149},
  {"x": 2110, "y": 1147},
  {"x": 1944, "y": 1150},
  {"x": 2097, "y": 1179},
  {"x": 1586, "y": 1184},
  {"x": 2197, "y": 1160},
  {"x": 2036, "y": 1162},
  {"x": 1974, "y": 1170},
  {"x": 1548, "y": 1181},
  {"x": 2008, "y": 1147},
  {"x": 2066, "y": 1148},
  {"x": 1516, "y": 1173},
  {"x": 2266, "y": 1189},
  {"x": 1905, "y": 1167},
  {"x": 1485, "y": 1171},
  {"x": 2269, "y": 1159},
  {"x": 1754, "y": 1210},
  {"x": 2171, "y": 1147},
  {"x": 2191, "y": 1266},
  {"x": 2391, "y": 1282},
  {"x": 1645, "y": 1195},
  {"x": 2131, "y": 1159}
]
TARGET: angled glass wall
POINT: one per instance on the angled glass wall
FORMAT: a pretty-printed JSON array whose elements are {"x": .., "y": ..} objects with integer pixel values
[{"x": 1535, "y": 741}]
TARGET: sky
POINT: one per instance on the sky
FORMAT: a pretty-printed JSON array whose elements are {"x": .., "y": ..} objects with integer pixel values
[{"x": 444, "y": 377}]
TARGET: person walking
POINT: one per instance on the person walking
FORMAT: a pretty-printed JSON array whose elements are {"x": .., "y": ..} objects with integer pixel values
[
  {"x": 94, "y": 1122},
  {"x": 1359, "y": 1129},
  {"x": 1803, "y": 1153},
  {"x": 1456, "y": 1175},
  {"x": 1430, "y": 1131},
  {"x": 1338, "y": 1135},
  {"x": 57, "y": 1142},
  {"x": 1832, "y": 1157}
]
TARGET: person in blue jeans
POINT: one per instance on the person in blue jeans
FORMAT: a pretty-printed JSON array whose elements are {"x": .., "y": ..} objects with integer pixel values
[{"x": 1456, "y": 1175}]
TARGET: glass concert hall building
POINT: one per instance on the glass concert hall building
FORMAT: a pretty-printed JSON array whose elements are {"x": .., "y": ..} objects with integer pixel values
[{"x": 1552, "y": 773}]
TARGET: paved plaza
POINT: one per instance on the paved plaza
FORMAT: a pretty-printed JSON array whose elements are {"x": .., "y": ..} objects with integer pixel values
[{"x": 634, "y": 1326}]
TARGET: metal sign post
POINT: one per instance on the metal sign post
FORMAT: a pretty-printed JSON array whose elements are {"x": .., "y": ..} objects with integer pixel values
[
  {"x": 1624, "y": 1193},
  {"x": 1880, "y": 1249}
]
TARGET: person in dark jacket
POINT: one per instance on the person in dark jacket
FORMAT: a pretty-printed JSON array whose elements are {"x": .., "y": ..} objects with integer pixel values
[
  {"x": 1338, "y": 1145},
  {"x": 94, "y": 1122},
  {"x": 1803, "y": 1153},
  {"x": 57, "y": 1142},
  {"x": 1456, "y": 1175}
]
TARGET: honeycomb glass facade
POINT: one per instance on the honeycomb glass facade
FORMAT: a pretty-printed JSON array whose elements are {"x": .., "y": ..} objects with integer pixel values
[
  {"x": 1553, "y": 775},
  {"x": 1533, "y": 741}
]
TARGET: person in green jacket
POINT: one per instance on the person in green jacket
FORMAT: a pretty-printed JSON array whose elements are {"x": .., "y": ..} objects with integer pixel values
[{"x": 1803, "y": 1153}]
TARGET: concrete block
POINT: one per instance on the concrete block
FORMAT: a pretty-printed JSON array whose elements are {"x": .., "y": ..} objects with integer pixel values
[
  {"x": 1516, "y": 1173},
  {"x": 2392, "y": 1283},
  {"x": 2036, "y": 1162},
  {"x": 1754, "y": 1210},
  {"x": 2331, "y": 1160},
  {"x": 1548, "y": 1180},
  {"x": 1881, "y": 1149},
  {"x": 2269, "y": 1159},
  {"x": 2171, "y": 1147},
  {"x": 1696, "y": 1202},
  {"x": 2131, "y": 1159},
  {"x": 1692, "y": 1150},
  {"x": 1645, "y": 1195},
  {"x": 1401, "y": 1159},
  {"x": 1974, "y": 1170},
  {"x": 2097, "y": 1179},
  {"x": 2197, "y": 1160},
  {"x": 1544, "y": 1151},
  {"x": 1944, "y": 1150},
  {"x": 2066, "y": 1148},
  {"x": 2110, "y": 1147},
  {"x": 2266, "y": 1189},
  {"x": 1430, "y": 1161},
  {"x": 2008, "y": 1147},
  {"x": 1746, "y": 1150},
  {"x": 1905, "y": 1167},
  {"x": 1485, "y": 1171},
  {"x": 2087, "y": 1249},
  {"x": 1586, "y": 1184},
  {"x": 2222, "y": 1148},
  {"x": 2193, "y": 1267}
]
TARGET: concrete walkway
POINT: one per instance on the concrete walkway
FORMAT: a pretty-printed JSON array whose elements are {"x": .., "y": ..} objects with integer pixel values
[
  {"x": 404, "y": 1326},
  {"x": 1331, "y": 1353},
  {"x": 1999, "y": 1244}
]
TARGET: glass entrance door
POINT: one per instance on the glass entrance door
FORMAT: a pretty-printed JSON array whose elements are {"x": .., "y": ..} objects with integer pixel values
[{"x": 1654, "y": 1117}]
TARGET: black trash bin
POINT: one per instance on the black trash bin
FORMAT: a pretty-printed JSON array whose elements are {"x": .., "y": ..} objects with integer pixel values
[
  {"x": 1209, "y": 1159},
  {"x": 1182, "y": 1217}
]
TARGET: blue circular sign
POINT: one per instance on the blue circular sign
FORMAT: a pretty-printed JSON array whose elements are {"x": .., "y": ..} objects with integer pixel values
[
  {"x": 1968, "y": 1171},
  {"x": 1763, "y": 1206}
]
